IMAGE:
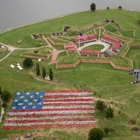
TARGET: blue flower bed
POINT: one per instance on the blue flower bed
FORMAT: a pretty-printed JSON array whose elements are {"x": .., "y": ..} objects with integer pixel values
[{"x": 28, "y": 100}]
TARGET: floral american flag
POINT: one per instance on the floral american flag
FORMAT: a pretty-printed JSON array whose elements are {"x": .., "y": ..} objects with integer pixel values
[{"x": 50, "y": 109}]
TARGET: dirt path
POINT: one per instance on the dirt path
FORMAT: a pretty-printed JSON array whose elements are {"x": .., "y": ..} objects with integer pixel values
[{"x": 11, "y": 49}]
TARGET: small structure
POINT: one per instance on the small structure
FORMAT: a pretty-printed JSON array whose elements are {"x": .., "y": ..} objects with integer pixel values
[
  {"x": 70, "y": 46},
  {"x": 19, "y": 67},
  {"x": 136, "y": 74},
  {"x": 85, "y": 39},
  {"x": 2, "y": 47},
  {"x": 109, "y": 53},
  {"x": 39, "y": 59},
  {"x": 47, "y": 78},
  {"x": 91, "y": 53},
  {"x": 19, "y": 41},
  {"x": 12, "y": 66},
  {"x": 66, "y": 28}
]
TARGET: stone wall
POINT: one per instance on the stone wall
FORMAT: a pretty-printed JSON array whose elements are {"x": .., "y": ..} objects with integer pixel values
[
  {"x": 55, "y": 43},
  {"x": 119, "y": 67},
  {"x": 61, "y": 66},
  {"x": 36, "y": 57}
]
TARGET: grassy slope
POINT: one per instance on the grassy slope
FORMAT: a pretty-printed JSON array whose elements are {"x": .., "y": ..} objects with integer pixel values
[
  {"x": 134, "y": 54},
  {"x": 94, "y": 47}
]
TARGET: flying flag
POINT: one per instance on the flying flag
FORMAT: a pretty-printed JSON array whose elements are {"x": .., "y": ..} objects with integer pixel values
[
  {"x": 50, "y": 109},
  {"x": 82, "y": 36}
]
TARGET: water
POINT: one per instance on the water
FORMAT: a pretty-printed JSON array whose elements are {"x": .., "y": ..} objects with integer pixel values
[{"x": 19, "y": 12}]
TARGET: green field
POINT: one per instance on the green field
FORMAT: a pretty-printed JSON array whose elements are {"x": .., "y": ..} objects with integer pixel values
[
  {"x": 94, "y": 47},
  {"x": 61, "y": 54},
  {"x": 58, "y": 47},
  {"x": 113, "y": 86},
  {"x": 134, "y": 54}
]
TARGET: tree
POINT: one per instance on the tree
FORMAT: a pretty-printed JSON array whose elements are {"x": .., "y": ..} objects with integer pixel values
[
  {"x": 107, "y": 8},
  {"x": 109, "y": 113},
  {"x": 106, "y": 130},
  {"x": 5, "y": 96},
  {"x": 100, "y": 105},
  {"x": 4, "y": 105},
  {"x": 43, "y": 72},
  {"x": 93, "y": 7},
  {"x": 120, "y": 7},
  {"x": 51, "y": 74},
  {"x": 37, "y": 69},
  {"x": 27, "y": 62},
  {"x": 95, "y": 134}
]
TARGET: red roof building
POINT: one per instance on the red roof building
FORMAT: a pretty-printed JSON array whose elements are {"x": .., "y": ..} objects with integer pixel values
[
  {"x": 70, "y": 46},
  {"x": 91, "y": 53},
  {"x": 85, "y": 39},
  {"x": 116, "y": 43}
]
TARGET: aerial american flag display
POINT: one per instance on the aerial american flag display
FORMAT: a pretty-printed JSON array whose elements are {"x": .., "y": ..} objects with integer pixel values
[{"x": 51, "y": 109}]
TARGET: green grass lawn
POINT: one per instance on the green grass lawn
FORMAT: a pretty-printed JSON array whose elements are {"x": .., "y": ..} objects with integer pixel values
[
  {"x": 58, "y": 47},
  {"x": 94, "y": 47},
  {"x": 126, "y": 33},
  {"x": 69, "y": 59},
  {"x": 3, "y": 53},
  {"x": 122, "y": 61},
  {"x": 43, "y": 52},
  {"x": 111, "y": 27},
  {"x": 134, "y": 54},
  {"x": 61, "y": 54},
  {"x": 111, "y": 84}
]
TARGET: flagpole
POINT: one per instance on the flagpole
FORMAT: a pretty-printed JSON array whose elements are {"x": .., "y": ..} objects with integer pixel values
[{"x": 79, "y": 42}]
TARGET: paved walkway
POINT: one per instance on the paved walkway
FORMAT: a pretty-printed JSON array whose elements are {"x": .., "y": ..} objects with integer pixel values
[
  {"x": 54, "y": 52},
  {"x": 106, "y": 46}
]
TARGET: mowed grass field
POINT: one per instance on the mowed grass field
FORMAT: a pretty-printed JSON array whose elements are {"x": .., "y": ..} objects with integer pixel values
[
  {"x": 110, "y": 85},
  {"x": 94, "y": 47}
]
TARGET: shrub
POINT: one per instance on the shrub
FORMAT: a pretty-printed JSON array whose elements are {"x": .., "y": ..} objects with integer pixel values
[
  {"x": 72, "y": 32},
  {"x": 51, "y": 74},
  {"x": 43, "y": 72},
  {"x": 93, "y": 7},
  {"x": 27, "y": 62},
  {"x": 37, "y": 69},
  {"x": 5, "y": 96},
  {"x": 100, "y": 105},
  {"x": 95, "y": 134},
  {"x": 106, "y": 130},
  {"x": 109, "y": 113},
  {"x": 4, "y": 105},
  {"x": 120, "y": 7}
]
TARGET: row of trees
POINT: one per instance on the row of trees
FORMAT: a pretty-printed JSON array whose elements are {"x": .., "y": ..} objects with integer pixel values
[
  {"x": 93, "y": 7},
  {"x": 97, "y": 133},
  {"x": 29, "y": 63},
  {"x": 44, "y": 72},
  {"x": 109, "y": 112}
]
